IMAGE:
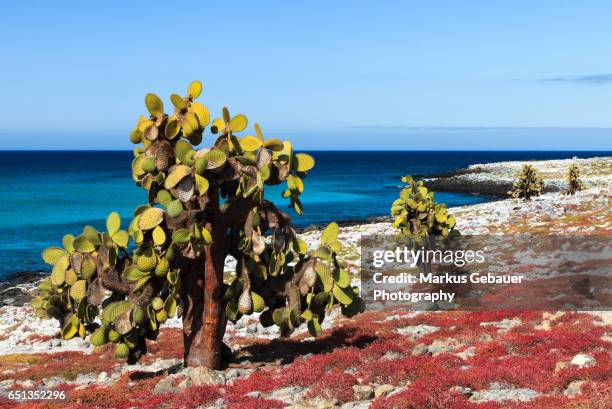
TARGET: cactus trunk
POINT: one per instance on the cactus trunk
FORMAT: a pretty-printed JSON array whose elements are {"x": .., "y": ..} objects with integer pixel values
[{"x": 204, "y": 317}]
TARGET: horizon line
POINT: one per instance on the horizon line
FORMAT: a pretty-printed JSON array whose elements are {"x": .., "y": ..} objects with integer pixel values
[
  {"x": 341, "y": 150},
  {"x": 306, "y": 128}
]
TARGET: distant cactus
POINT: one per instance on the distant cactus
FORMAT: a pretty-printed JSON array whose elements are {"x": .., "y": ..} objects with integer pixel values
[
  {"x": 574, "y": 184},
  {"x": 528, "y": 183},
  {"x": 418, "y": 216},
  {"x": 203, "y": 206}
]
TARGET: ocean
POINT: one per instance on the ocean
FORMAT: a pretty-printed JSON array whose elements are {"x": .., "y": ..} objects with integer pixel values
[{"x": 45, "y": 195}]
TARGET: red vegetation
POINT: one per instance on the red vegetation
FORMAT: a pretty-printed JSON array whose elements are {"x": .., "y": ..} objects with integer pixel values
[{"x": 357, "y": 352}]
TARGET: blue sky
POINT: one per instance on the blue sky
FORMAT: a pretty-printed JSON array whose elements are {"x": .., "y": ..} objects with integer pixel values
[{"x": 328, "y": 75}]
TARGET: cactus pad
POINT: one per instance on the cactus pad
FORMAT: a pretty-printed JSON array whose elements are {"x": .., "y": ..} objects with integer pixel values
[
  {"x": 99, "y": 337},
  {"x": 78, "y": 290},
  {"x": 176, "y": 175},
  {"x": 122, "y": 351},
  {"x": 150, "y": 218}
]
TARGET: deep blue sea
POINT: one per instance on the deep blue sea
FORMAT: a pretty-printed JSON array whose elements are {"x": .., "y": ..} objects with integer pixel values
[{"x": 44, "y": 195}]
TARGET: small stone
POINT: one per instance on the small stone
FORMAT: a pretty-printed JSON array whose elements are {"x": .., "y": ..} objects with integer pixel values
[
  {"x": 420, "y": 349},
  {"x": 28, "y": 384},
  {"x": 467, "y": 353},
  {"x": 561, "y": 365},
  {"x": 484, "y": 338},
  {"x": 204, "y": 376},
  {"x": 288, "y": 394},
  {"x": 463, "y": 390},
  {"x": 392, "y": 355},
  {"x": 232, "y": 374},
  {"x": 164, "y": 386},
  {"x": 356, "y": 405},
  {"x": 160, "y": 366},
  {"x": 383, "y": 390},
  {"x": 417, "y": 331},
  {"x": 254, "y": 394},
  {"x": 499, "y": 392},
  {"x": 583, "y": 361},
  {"x": 547, "y": 318},
  {"x": 504, "y": 325},
  {"x": 52, "y": 381},
  {"x": 317, "y": 402},
  {"x": 440, "y": 346},
  {"x": 363, "y": 392},
  {"x": 574, "y": 388},
  {"x": 185, "y": 383},
  {"x": 102, "y": 378},
  {"x": 85, "y": 379},
  {"x": 399, "y": 390}
]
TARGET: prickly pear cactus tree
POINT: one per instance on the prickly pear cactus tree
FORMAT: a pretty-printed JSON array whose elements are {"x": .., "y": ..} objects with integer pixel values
[
  {"x": 574, "y": 184},
  {"x": 528, "y": 183},
  {"x": 204, "y": 205},
  {"x": 416, "y": 214}
]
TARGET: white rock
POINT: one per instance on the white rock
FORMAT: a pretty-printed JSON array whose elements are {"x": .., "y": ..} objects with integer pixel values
[
  {"x": 468, "y": 353},
  {"x": 204, "y": 376},
  {"x": 164, "y": 386},
  {"x": 356, "y": 405},
  {"x": 363, "y": 392},
  {"x": 102, "y": 378},
  {"x": 383, "y": 390},
  {"x": 499, "y": 393},
  {"x": 574, "y": 388},
  {"x": 504, "y": 325},
  {"x": 583, "y": 360},
  {"x": 28, "y": 384},
  {"x": 288, "y": 395},
  {"x": 417, "y": 331}
]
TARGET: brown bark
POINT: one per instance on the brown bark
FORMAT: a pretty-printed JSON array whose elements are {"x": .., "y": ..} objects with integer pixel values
[
  {"x": 204, "y": 318},
  {"x": 192, "y": 293}
]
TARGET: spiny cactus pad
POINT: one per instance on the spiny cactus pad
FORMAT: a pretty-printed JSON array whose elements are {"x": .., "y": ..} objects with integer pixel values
[{"x": 150, "y": 218}]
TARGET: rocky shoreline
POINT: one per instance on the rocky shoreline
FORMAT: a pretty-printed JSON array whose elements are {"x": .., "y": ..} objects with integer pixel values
[
  {"x": 17, "y": 291},
  {"x": 495, "y": 179}
]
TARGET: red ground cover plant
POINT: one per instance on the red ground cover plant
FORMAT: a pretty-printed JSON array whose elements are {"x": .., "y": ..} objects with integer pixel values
[{"x": 354, "y": 353}]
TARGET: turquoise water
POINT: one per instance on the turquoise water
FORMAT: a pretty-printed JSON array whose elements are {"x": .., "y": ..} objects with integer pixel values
[{"x": 44, "y": 195}]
